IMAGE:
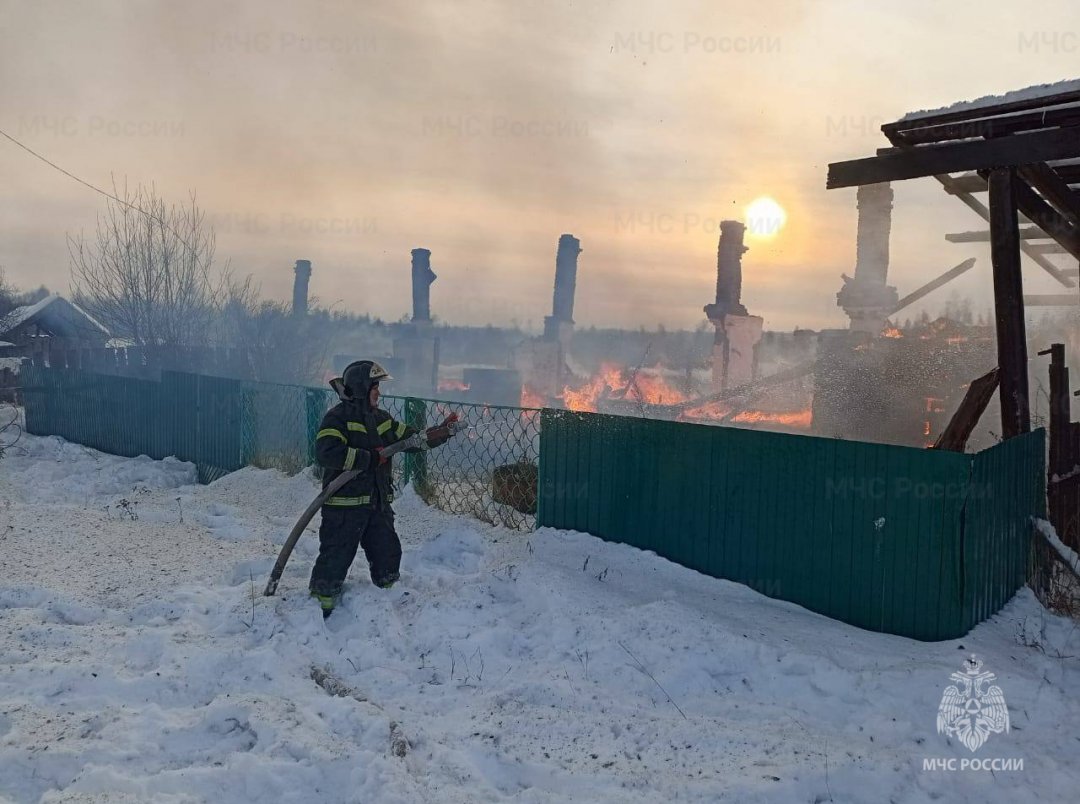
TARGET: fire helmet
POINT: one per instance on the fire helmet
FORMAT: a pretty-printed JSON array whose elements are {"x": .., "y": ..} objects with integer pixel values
[{"x": 360, "y": 376}]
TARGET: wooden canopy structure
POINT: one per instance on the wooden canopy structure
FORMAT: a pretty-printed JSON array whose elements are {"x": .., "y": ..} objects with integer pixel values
[{"x": 1024, "y": 149}]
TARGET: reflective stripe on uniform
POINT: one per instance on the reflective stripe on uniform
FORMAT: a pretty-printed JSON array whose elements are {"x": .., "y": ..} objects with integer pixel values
[
  {"x": 348, "y": 502},
  {"x": 357, "y": 427},
  {"x": 331, "y": 433},
  {"x": 350, "y": 458},
  {"x": 400, "y": 429},
  {"x": 386, "y": 425}
]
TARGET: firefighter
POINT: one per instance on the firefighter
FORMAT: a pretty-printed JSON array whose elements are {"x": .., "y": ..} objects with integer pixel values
[{"x": 351, "y": 436}]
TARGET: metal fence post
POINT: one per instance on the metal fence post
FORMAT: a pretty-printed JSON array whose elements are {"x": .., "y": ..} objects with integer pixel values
[
  {"x": 415, "y": 468},
  {"x": 314, "y": 404}
]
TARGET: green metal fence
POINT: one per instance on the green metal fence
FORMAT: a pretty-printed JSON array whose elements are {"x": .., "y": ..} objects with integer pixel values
[
  {"x": 907, "y": 541},
  {"x": 914, "y": 542},
  {"x": 489, "y": 471},
  {"x": 191, "y": 417}
]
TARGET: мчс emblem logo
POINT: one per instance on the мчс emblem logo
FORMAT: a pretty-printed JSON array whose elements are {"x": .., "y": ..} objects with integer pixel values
[{"x": 973, "y": 708}]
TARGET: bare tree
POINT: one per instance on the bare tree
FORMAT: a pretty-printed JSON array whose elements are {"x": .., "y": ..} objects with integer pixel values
[
  {"x": 8, "y": 300},
  {"x": 149, "y": 273},
  {"x": 278, "y": 346}
]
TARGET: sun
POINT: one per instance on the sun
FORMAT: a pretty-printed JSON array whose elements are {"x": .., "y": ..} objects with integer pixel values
[{"x": 765, "y": 217}]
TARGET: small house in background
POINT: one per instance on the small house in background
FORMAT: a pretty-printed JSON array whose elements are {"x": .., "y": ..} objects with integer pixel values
[{"x": 52, "y": 323}]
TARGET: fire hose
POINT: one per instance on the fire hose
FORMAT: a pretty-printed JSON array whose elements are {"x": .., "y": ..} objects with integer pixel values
[{"x": 421, "y": 441}]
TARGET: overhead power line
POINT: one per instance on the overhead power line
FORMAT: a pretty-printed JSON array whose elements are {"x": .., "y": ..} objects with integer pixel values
[{"x": 96, "y": 189}]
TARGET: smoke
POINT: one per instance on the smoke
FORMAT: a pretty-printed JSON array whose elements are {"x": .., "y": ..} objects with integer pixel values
[{"x": 350, "y": 133}]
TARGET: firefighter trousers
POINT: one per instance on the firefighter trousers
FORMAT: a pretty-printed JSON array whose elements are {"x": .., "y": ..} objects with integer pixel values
[{"x": 343, "y": 530}]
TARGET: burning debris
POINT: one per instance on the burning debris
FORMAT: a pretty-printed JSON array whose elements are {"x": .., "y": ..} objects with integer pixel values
[{"x": 900, "y": 388}]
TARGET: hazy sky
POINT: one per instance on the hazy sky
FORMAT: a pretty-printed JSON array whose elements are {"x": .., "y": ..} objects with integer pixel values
[{"x": 350, "y": 133}]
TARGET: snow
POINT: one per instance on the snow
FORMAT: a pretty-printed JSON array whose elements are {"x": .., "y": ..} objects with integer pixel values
[
  {"x": 1027, "y": 93},
  {"x": 139, "y": 662},
  {"x": 20, "y": 315},
  {"x": 1068, "y": 555}
]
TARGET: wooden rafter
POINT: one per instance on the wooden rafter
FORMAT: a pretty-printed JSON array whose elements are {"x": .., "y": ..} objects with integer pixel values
[
  {"x": 1046, "y": 217},
  {"x": 992, "y": 126},
  {"x": 1053, "y": 188},
  {"x": 932, "y": 285},
  {"x": 929, "y": 160},
  {"x": 915, "y": 121},
  {"x": 983, "y": 235}
]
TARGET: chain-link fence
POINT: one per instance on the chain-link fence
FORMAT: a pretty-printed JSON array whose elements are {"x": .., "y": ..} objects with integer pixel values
[{"x": 489, "y": 471}]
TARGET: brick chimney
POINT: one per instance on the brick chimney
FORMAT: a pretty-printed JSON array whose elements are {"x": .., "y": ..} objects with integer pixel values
[{"x": 300, "y": 287}]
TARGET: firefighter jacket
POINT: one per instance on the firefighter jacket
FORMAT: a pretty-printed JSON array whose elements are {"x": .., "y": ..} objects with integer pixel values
[{"x": 347, "y": 439}]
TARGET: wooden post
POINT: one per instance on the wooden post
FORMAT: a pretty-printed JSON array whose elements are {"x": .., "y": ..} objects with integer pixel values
[
  {"x": 1059, "y": 408},
  {"x": 1009, "y": 304},
  {"x": 1062, "y": 458}
]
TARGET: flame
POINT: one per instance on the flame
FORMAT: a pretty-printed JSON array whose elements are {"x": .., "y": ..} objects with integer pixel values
[
  {"x": 452, "y": 385},
  {"x": 652, "y": 389},
  {"x": 891, "y": 332},
  {"x": 798, "y": 418},
  {"x": 718, "y": 411},
  {"x": 586, "y": 398},
  {"x": 614, "y": 382},
  {"x": 530, "y": 398}
]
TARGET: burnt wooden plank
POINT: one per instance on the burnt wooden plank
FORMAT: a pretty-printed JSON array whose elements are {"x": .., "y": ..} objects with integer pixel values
[
  {"x": 1053, "y": 248},
  {"x": 957, "y": 432},
  {"x": 1054, "y": 189},
  {"x": 928, "y": 160},
  {"x": 983, "y": 235},
  {"x": 974, "y": 183},
  {"x": 1046, "y": 217},
  {"x": 1059, "y": 408},
  {"x": 933, "y": 285},
  {"x": 1009, "y": 303},
  {"x": 980, "y": 208}
]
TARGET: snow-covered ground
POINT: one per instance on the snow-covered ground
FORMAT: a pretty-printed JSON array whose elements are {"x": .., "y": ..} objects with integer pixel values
[{"x": 139, "y": 662}]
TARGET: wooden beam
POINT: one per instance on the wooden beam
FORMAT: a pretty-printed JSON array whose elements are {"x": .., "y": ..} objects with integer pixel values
[
  {"x": 1052, "y": 300},
  {"x": 1053, "y": 248},
  {"x": 933, "y": 285},
  {"x": 928, "y": 160},
  {"x": 1070, "y": 173},
  {"x": 974, "y": 183},
  {"x": 940, "y": 118},
  {"x": 957, "y": 432},
  {"x": 1009, "y": 304},
  {"x": 1046, "y": 217},
  {"x": 979, "y": 207},
  {"x": 983, "y": 235},
  {"x": 1043, "y": 178},
  {"x": 1060, "y": 414},
  {"x": 966, "y": 183},
  {"x": 992, "y": 126}
]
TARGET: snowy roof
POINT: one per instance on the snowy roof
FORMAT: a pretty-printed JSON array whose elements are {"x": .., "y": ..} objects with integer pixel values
[
  {"x": 1026, "y": 94},
  {"x": 21, "y": 316}
]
